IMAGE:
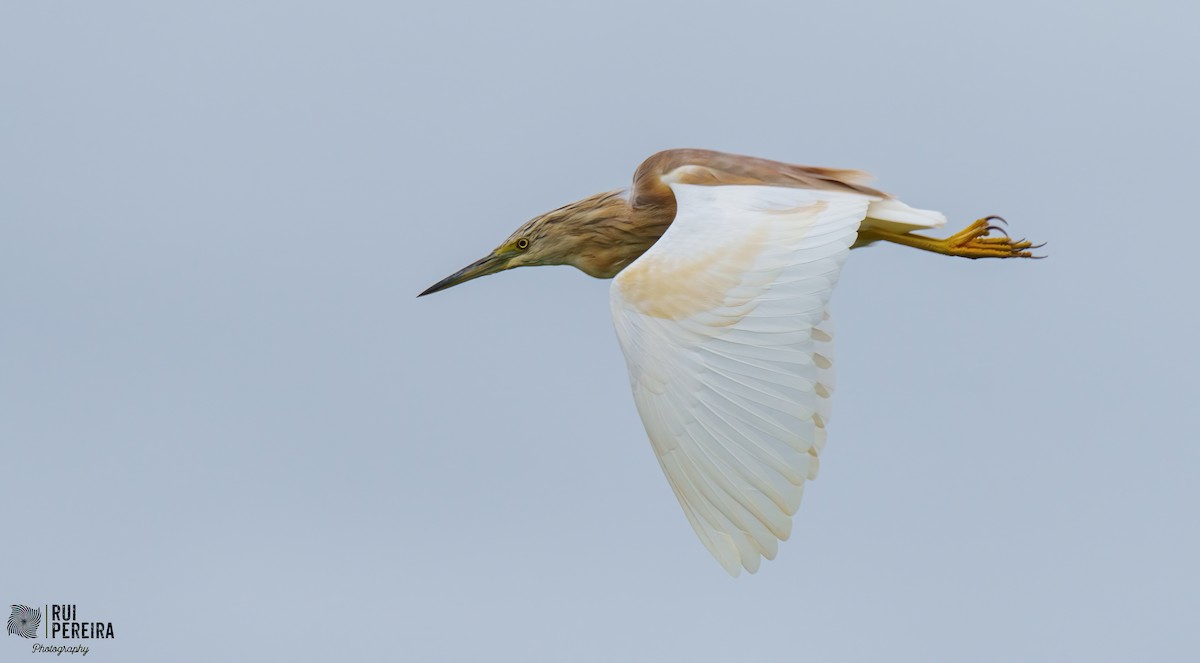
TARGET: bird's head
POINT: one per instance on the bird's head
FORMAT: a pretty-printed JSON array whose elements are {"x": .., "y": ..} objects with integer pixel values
[{"x": 593, "y": 234}]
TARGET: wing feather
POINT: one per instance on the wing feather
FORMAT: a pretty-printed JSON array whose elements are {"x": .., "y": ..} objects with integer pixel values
[{"x": 726, "y": 334}]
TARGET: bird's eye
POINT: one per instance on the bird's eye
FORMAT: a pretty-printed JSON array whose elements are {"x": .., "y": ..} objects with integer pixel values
[{"x": 522, "y": 243}]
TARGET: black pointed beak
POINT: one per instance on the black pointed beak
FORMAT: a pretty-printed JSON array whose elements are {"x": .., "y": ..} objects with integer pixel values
[{"x": 488, "y": 265}]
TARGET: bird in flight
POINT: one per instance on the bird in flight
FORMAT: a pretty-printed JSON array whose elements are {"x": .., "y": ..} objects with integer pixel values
[{"x": 722, "y": 269}]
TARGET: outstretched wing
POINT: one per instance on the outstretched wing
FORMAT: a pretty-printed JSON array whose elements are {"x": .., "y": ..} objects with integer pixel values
[{"x": 724, "y": 328}]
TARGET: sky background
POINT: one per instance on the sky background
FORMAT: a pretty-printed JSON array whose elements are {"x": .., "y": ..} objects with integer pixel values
[{"x": 228, "y": 427}]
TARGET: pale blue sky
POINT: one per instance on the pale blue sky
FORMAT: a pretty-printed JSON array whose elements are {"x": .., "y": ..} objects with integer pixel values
[{"x": 229, "y": 427}]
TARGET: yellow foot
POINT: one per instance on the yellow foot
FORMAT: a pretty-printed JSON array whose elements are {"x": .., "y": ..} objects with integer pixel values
[{"x": 976, "y": 241}]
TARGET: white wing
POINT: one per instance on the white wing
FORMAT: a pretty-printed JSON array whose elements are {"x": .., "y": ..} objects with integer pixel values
[{"x": 724, "y": 327}]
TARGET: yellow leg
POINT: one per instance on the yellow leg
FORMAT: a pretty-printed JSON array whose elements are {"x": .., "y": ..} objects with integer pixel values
[{"x": 970, "y": 242}]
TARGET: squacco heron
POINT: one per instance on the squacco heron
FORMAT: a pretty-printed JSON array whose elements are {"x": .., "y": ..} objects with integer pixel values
[{"x": 723, "y": 269}]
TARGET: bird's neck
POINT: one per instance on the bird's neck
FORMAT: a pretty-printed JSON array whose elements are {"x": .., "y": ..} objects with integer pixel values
[{"x": 615, "y": 234}]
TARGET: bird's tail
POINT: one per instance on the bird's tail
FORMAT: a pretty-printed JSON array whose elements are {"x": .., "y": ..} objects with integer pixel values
[{"x": 891, "y": 214}]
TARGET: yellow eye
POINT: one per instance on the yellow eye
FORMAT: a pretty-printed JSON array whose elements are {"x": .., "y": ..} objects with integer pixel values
[{"x": 522, "y": 244}]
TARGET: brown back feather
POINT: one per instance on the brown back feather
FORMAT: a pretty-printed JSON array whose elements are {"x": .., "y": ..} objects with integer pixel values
[{"x": 651, "y": 194}]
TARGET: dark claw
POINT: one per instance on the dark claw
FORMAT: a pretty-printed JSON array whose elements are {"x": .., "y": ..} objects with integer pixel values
[
  {"x": 998, "y": 229},
  {"x": 1038, "y": 246},
  {"x": 995, "y": 218}
]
